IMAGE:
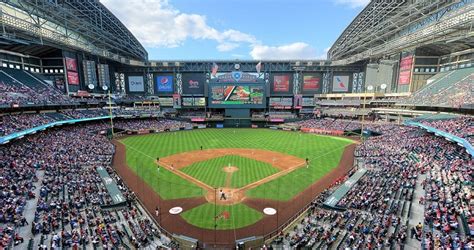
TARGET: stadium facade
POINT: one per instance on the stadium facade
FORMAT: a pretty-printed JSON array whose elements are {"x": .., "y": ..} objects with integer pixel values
[
  {"x": 396, "y": 47},
  {"x": 66, "y": 63}
]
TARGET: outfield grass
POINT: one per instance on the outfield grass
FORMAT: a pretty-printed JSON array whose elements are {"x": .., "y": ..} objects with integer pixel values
[
  {"x": 240, "y": 216},
  {"x": 324, "y": 153},
  {"x": 211, "y": 171}
]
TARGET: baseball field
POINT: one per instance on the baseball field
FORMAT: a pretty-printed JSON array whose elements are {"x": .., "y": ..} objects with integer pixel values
[{"x": 216, "y": 174}]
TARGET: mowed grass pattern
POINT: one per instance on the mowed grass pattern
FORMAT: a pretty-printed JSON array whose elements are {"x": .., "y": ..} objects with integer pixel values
[
  {"x": 324, "y": 153},
  {"x": 239, "y": 216},
  {"x": 167, "y": 184},
  {"x": 212, "y": 172}
]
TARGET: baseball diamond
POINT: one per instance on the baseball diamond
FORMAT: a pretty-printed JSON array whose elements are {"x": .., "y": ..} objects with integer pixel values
[
  {"x": 166, "y": 124},
  {"x": 236, "y": 173}
]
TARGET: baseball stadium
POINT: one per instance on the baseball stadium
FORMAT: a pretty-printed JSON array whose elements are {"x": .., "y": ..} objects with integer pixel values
[{"x": 104, "y": 148}]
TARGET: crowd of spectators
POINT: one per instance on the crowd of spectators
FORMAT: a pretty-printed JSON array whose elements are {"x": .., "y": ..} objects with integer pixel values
[
  {"x": 68, "y": 193},
  {"x": 132, "y": 98},
  {"x": 18, "y": 122},
  {"x": 448, "y": 168},
  {"x": 326, "y": 123},
  {"x": 281, "y": 115},
  {"x": 137, "y": 112},
  {"x": 56, "y": 170},
  {"x": 348, "y": 113},
  {"x": 462, "y": 126},
  {"x": 454, "y": 89},
  {"x": 84, "y": 113},
  {"x": 193, "y": 114},
  {"x": 330, "y": 124},
  {"x": 448, "y": 201},
  {"x": 322, "y": 228},
  {"x": 11, "y": 123},
  {"x": 151, "y": 124},
  {"x": 12, "y": 92},
  {"x": 375, "y": 211},
  {"x": 343, "y": 102}
]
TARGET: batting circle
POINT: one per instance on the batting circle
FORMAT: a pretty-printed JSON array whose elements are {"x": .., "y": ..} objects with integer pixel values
[
  {"x": 176, "y": 210},
  {"x": 269, "y": 211}
]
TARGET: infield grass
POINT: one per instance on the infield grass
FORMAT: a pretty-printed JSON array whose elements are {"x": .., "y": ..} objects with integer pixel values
[{"x": 212, "y": 172}]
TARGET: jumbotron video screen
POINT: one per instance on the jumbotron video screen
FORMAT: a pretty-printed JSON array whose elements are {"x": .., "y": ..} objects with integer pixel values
[{"x": 237, "y": 95}]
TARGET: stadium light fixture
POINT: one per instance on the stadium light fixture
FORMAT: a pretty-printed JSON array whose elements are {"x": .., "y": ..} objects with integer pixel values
[{"x": 383, "y": 87}]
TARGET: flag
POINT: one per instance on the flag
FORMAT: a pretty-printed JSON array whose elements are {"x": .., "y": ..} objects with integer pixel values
[
  {"x": 214, "y": 69},
  {"x": 258, "y": 67}
]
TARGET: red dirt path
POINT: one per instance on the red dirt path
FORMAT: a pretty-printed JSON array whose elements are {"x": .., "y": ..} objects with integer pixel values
[
  {"x": 177, "y": 225},
  {"x": 276, "y": 159}
]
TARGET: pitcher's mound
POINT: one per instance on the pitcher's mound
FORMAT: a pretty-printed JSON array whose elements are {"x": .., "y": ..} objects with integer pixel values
[{"x": 230, "y": 169}]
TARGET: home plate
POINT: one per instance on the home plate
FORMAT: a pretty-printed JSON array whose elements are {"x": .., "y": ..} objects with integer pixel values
[
  {"x": 269, "y": 211},
  {"x": 176, "y": 210}
]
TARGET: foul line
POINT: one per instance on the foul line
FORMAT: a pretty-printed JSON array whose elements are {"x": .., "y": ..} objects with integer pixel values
[{"x": 247, "y": 187}]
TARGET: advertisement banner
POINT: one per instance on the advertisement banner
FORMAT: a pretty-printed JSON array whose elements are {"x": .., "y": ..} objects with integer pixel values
[
  {"x": 83, "y": 93},
  {"x": 71, "y": 64},
  {"x": 340, "y": 84},
  {"x": 188, "y": 101},
  {"x": 176, "y": 101},
  {"x": 193, "y": 83},
  {"x": 311, "y": 83},
  {"x": 308, "y": 102},
  {"x": 404, "y": 78},
  {"x": 198, "y": 119},
  {"x": 284, "y": 101},
  {"x": 322, "y": 131},
  {"x": 281, "y": 83},
  {"x": 164, "y": 83},
  {"x": 135, "y": 84},
  {"x": 165, "y": 101},
  {"x": 200, "y": 101},
  {"x": 277, "y": 120},
  {"x": 73, "y": 78},
  {"x": 193, "y": 102},
  {"x": 406, "y": 64}
]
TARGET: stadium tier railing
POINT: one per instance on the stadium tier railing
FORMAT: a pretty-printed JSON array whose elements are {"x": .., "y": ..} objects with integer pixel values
[
  {"x": 8, "y": 138},
  {"x": 332, "y": 201},
  {"x": 462, "y": 142}
]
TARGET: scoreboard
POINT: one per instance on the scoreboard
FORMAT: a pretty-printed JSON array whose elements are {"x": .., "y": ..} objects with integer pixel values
[
  {"x": 90, "y": 74},
  {"x": 237, "y": 96}
]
